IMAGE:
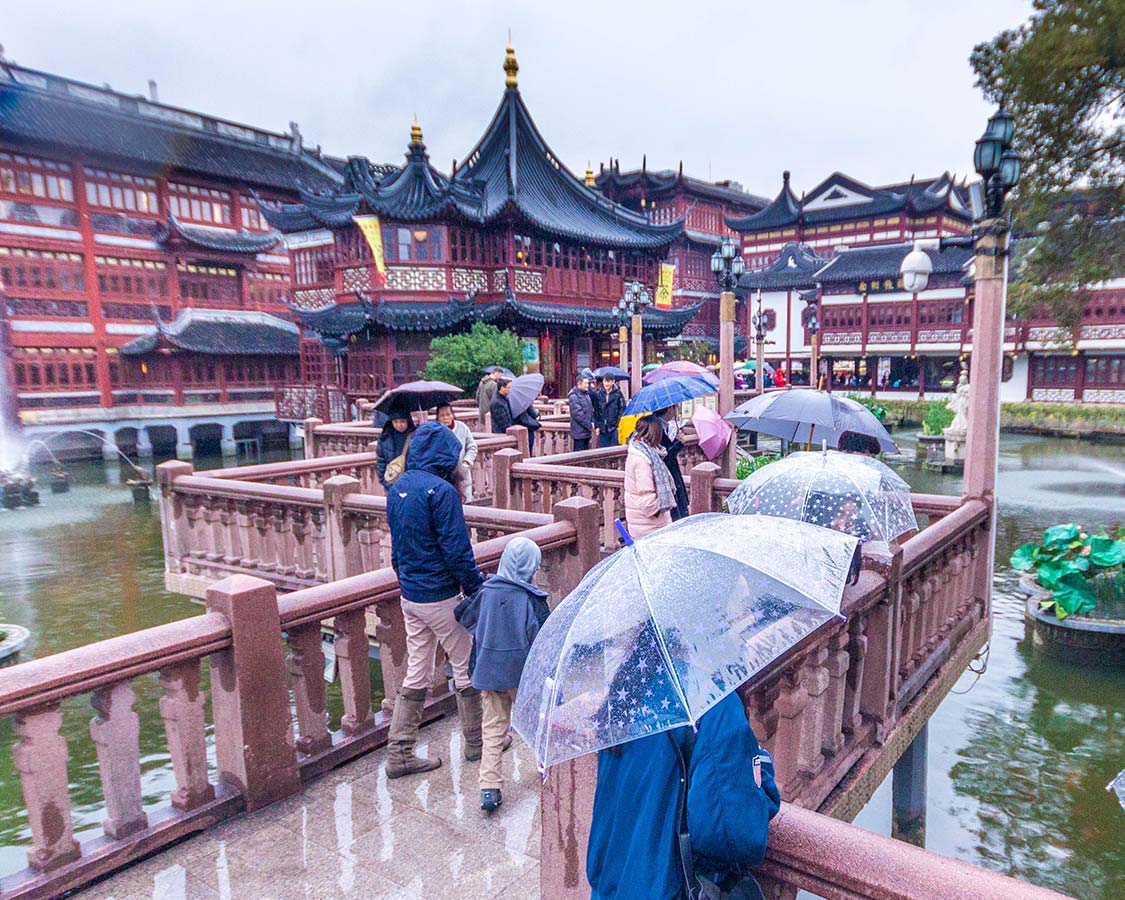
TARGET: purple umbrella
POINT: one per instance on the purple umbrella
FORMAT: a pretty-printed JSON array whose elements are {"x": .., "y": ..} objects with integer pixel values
[
  {"x": 524, "y": 391},
  {"x": 417, "y": 395}
]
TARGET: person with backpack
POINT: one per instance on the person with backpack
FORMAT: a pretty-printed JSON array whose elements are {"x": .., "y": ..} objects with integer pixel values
[
  {"x": 392, "y": 444},
  {"x": 504, "y": 621},
  {"x": 433, "y": 557},
  {"x": 681, "y": 813}
]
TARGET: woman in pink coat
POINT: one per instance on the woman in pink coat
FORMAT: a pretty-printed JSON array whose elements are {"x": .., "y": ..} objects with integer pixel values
[{"x": 649, "y": 490}]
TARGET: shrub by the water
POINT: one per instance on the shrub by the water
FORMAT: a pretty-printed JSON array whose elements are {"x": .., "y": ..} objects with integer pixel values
[{"x": 937, "y": 418}]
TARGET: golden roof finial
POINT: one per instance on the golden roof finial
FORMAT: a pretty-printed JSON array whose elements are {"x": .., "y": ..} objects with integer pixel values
[
  {"x": 415, "y": 131},
  {"x": 511, "y": 67},
  {"x": 590, "y": 175}
]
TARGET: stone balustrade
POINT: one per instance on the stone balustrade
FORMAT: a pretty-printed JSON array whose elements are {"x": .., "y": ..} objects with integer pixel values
[
  {"x": 293, "y": 537},
  {"x": 264, "y": 657}
]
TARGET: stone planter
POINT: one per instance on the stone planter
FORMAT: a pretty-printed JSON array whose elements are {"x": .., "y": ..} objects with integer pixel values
[
  {"x": 15, "y": 636},
  {"x": 1086, "y": 640}
]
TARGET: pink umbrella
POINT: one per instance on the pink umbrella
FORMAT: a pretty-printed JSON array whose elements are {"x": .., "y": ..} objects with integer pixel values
[
  {"x": 712, "y": 430},
  {"x": 678, "y": 367}
]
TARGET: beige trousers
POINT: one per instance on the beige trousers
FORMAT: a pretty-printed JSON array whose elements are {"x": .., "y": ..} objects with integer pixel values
[
  {"x": 430, "y": 624},
  {"x": 496, "y": 718}
]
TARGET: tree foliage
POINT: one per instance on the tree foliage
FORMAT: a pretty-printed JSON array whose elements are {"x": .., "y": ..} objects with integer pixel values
[
  {"x": 460, "y": 359},
  {"x": 1062, "y": 76}
]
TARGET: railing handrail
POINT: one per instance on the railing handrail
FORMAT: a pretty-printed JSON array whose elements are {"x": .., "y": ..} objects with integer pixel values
[
  {"x": 314, "y": 604},
  {"x": 532, "y": 469},
  {"x": 475, "y": 516},
  {"x": 818, "y": 853},
  {"x": 247, "y": 490},
  {"x": 936, "y": 538},
  {"x": 82, "y": 669},
  {"x": 261, "y": 471}
]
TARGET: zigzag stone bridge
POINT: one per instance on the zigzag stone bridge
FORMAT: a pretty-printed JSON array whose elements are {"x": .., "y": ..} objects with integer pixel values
[{"x": 294, "y": 801}]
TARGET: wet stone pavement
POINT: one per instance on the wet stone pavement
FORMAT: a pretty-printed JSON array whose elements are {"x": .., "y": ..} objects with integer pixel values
[{"x": 355, "y": 833}]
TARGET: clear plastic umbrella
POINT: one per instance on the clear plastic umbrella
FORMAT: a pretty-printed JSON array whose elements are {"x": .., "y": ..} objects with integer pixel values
[
  {"x": 847, "y": 492},
  {"x": 661, "y": 631}
]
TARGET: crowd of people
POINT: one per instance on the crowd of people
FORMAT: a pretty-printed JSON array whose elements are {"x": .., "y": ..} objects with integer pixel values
[{"x": 649, "y": 789}]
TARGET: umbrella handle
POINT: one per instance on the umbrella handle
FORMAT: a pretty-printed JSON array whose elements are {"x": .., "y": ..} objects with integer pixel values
[{"x": 623, "y": 531}]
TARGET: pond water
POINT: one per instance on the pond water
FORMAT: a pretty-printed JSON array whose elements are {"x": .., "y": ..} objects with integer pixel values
[{"x": 1019, "y": 756}]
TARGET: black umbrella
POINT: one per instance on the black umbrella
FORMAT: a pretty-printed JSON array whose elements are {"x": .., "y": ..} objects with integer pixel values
[
  {"x": 505, "y": 372},
  {"x": 417, "y": 395}
]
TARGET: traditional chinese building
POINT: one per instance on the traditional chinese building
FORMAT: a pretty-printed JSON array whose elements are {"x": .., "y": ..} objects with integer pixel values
[
  {"x": 704, "y": 206},
  {"x": 508, "y": 236},
  {"x": 143, "y": 289},
  {"x": 832, "y": 258}
]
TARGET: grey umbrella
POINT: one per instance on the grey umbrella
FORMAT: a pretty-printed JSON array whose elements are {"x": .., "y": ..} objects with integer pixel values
[
  {"x": 524, "y": 391},
  {"x": 808, "y": 416}
]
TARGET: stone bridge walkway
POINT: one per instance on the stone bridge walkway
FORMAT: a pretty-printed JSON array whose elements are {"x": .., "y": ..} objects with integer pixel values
[{"x": 355, "y": 834}]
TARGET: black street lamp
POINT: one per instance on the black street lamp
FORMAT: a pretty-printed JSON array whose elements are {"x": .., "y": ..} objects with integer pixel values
[
  {"x": 630, "y": 306},
  {"x": 727, "y": 264}
]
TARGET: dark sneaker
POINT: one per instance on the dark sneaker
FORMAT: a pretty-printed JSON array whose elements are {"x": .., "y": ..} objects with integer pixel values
[{"x": 490, "y": 799}]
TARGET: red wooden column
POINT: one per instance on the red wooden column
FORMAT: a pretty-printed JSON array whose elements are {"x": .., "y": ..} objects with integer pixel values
[{"x": 90, "y": 275}]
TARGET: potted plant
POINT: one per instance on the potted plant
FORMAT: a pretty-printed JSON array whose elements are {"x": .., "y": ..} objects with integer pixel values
[{"x": 1077, "y": 568}]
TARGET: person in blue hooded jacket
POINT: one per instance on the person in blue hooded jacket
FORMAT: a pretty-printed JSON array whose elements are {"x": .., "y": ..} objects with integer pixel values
[
  {"x": 633, "y": 852},
  {"x": 504, "y": 625},
  {"x": 433, "y": 557}
]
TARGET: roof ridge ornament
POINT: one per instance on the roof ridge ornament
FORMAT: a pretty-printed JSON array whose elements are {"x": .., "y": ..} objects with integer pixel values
[
  {"x": 416, "y": 131},
  {"x": 590, "y": 182},
  {"x": 511, "y": 67}
]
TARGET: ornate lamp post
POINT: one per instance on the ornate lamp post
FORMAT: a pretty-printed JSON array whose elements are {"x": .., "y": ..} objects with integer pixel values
[
  {"x": 759, "y": 322},
  {"x": 727, "y": 264},
  {"x": 634, "y": 301},
  {"x": 999, "y": 168},
  {"x": 812, "y": 323}
]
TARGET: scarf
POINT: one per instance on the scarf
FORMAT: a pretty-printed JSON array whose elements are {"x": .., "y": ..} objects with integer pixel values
[{"x": 661, "y": 477}]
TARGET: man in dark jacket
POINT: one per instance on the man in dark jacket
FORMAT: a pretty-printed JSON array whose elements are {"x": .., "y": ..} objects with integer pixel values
[
  {"x": 581, "y": 414},
  {"x": 433, "y": 558},
  {"x": 633, "y": 852},
  {"x": 500, "y": 409},
  {"x": 613, "y": 405},
  {"x": 486, "y": 390}
]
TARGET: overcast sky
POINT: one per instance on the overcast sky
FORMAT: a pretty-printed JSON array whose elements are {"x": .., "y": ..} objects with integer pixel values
[{"x": 879, "y": 89}]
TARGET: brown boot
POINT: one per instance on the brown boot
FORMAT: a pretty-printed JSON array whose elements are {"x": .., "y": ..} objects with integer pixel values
[
  {"x": 469, "y": 709},
  {"x": 404, "y": 732}
]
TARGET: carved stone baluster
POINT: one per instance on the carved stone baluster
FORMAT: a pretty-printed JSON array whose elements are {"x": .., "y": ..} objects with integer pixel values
[
  {"x": 355, "y": 673},
  {"x": 197, "y": 527},
  {"x": 815, "y": 726},
  {"x": 857, "y": 655},
  {"x": 116, "y": 733},
  {"x": 390, "y": 633},
  {"x": 185, "y": 728},
  {"x": 792, "y": 700},
  {"x": 248, "y": 534},
  {"x": 911, "y": 623},
  {"x": 319, "y": 544},
  {"x": 306, "y": 676},
  {"x": 216, "y": 539},
  {"x": 368, "y": 534},
  {"x": 263, "y": 527},
  {"x": 40, "y": 756},
  {"x": 283, "y": 540},
  {"x": 233, "y": 545},
  {"x": 836, "y": 665},
  {"x": 302, "y": 545}
]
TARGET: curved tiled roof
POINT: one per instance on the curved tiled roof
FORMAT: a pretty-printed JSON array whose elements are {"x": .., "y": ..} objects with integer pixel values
[
  {"x": 517, "y": 171},
  {"x": 214, "y": 331},
  {"x": 613, "y": 179},
  {"x": 781, "y": 212},
  {"x": 342, "y": 319},
  {"x": 659, "y": 322},
  {"x": 795, "y": 267},
  {"x": 223, "y": 240},
  {"x": 916, "y": 198},
  {"x": 511, "y": 174},
  {"x": 148, "y": 136},
  {"x": 856, "y": 263}
]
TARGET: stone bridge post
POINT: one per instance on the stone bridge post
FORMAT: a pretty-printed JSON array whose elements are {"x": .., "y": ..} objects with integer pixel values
[
  {"x": 311, "y": 426},
  {"x": 703, "y": 477},
  {"x": 503, "y": 496},
  {"x": 254, "y": 743}
]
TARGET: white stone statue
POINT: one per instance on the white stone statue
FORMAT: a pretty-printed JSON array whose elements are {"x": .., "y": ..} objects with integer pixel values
[{"x": 958, "y": 429}]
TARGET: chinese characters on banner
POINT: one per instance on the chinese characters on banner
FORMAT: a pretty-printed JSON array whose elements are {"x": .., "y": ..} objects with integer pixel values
[{"x": 664, "y": 286}]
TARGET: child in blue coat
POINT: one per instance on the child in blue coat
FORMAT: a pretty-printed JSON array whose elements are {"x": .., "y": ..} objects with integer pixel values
[{"x": 509, "y": 616}]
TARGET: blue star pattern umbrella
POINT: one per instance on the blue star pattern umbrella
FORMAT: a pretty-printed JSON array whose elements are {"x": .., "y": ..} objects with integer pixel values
[
  {"x": 668, "y": 392},
  {"x": 658, "y": 633}
]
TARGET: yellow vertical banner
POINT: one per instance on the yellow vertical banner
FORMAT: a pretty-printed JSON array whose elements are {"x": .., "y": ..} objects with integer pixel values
[
  {"x": 664, "y": 286},
  {"x": 373, "y": 232}
]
